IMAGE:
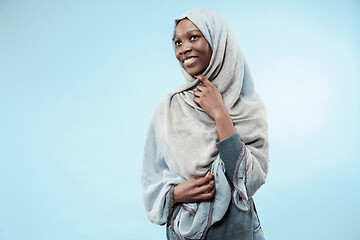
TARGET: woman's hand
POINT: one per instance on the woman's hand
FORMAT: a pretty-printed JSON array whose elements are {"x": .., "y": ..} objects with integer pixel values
[
  {"x": 209, "y": 98},
  {"x": 195, "y": 189}
]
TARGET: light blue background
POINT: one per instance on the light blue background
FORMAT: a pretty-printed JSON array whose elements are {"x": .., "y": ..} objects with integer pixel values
[{"x": 79, "y": 81}]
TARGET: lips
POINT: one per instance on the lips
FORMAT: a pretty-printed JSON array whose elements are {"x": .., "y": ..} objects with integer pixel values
[{"x": 190, "y": 61}]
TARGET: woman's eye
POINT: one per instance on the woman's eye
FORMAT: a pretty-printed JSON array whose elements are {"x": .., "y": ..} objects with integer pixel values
[
  {"x": 194, "y": 37},
  {"x": 177, "y": 43}
]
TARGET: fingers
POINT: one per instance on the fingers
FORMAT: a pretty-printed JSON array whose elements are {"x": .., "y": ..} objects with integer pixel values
[
  {"x": 204, "y": 80},
  {"x": 209, "y": 195},
  {"x": 196, "y": 100},
  {"x": 206, "y": 196},
  {"x": 200, "y": 88},
  {"x": 198, "y": 93},
  {"x": 206, "y": 188},
  {"x": 205, "y": 179},
  {"x": 195, "y": 189}
]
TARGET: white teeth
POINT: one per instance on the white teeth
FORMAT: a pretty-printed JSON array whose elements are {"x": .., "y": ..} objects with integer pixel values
[{"x": 188, "y": 60}]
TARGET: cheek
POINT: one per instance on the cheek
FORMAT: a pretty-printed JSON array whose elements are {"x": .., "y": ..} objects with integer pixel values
[
  {"x": 206, "y": 49},
  {"x": 210, "y": 53}
]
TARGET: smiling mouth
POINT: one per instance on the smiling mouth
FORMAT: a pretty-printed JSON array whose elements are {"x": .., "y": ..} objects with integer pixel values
[{"x": 190, "y": 61}]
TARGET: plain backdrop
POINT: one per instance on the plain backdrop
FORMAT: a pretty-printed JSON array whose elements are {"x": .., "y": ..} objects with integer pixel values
[{"x": 78, "y": 83}]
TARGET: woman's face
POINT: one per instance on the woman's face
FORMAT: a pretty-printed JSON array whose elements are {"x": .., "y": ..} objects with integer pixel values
[{"x": 191, "y": 48}]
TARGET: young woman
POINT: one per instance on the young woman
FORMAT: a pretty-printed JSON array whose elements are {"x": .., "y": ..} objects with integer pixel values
[{"x": 206, "y": 151}]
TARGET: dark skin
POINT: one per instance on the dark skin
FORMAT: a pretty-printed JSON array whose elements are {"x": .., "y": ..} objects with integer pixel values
[
  {"x": 191, "y": 48},
  {"x": 194, "y": 53}
]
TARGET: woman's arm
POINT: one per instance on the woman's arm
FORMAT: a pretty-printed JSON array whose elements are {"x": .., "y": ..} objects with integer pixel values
[
  {"x": 209, "y": 98},
  {"x": 250, "y": 170}
]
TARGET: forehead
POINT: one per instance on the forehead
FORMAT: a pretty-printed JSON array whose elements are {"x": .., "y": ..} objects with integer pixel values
[{"x": 185, "y": 26}]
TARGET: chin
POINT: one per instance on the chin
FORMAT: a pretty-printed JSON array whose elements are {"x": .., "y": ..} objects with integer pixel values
[{"x": 193, "y": 73}]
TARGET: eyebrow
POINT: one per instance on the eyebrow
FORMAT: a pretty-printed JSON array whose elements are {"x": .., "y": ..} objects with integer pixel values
[{"x": 191, "y": 30}]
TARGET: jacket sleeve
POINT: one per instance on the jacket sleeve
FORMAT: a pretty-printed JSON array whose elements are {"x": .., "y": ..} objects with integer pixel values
[
  {"x": 230, "y": 150},
  {"x": 243, "y": 169}
]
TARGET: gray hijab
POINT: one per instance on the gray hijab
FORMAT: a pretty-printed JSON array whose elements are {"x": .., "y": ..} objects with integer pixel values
[{"x": 189, "y": 132}]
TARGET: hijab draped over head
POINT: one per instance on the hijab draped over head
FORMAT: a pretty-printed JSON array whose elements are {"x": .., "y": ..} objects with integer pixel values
[{"x": 188, "y": 131}]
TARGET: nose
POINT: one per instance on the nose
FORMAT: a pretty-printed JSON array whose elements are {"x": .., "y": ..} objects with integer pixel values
[{"x": 185, "y": 47}]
